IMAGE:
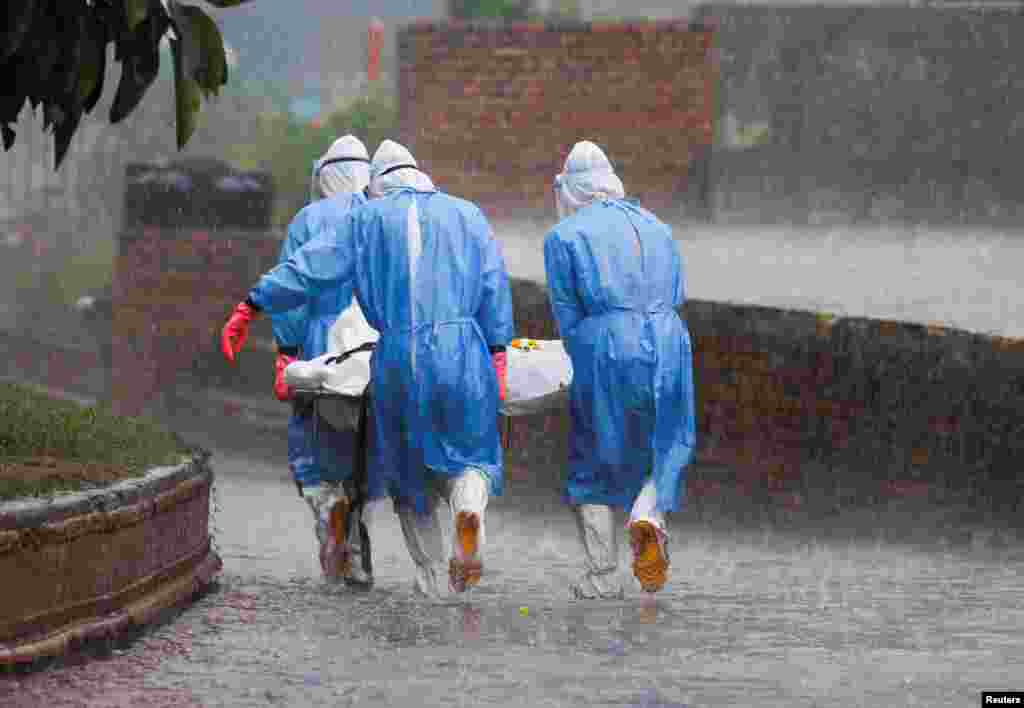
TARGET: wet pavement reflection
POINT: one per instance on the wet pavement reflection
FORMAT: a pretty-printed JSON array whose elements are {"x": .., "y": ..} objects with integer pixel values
[{"x": 750, "y": 617}]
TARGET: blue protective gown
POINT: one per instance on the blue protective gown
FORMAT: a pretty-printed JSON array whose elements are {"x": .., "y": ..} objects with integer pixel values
[
  {"x": 306, "y": 328},
  {"x": 615, "y": 278},
  {"x": 434, "y": 390}
]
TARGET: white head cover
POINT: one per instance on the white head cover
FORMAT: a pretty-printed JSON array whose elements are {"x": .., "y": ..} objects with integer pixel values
[
  {"x": 587, "y": 176},
  {"x": 344, "y": 168},
  {"x": 393, "y": 166}
]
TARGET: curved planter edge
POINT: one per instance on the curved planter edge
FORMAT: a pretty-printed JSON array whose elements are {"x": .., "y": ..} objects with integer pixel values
[{"x": 99, "y": 563}]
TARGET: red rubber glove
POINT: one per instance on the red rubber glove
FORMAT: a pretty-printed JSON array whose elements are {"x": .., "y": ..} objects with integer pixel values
[
  {"x": 500, "y": 360},
  {"x": 236, "y": 331},
  {"x": 282, "y": 391}
]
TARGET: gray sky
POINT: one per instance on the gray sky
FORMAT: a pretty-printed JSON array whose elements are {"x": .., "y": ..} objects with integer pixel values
[{"x": 277, "y": 39}]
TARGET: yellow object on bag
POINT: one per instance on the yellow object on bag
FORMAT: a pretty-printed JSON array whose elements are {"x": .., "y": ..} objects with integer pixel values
[{"x": 526, "y": 344}]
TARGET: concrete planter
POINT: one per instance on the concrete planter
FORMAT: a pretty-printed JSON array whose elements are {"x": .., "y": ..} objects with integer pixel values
[{"x": 95, "y": 564}]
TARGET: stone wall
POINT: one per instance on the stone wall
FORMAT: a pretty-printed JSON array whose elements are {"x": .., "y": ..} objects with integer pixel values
[
  {"x": 802, "y": 405},
  {"x": 491, "y": 112},
  {"x": 867, "y": 113},
  {"x": 93, "y": 564}
]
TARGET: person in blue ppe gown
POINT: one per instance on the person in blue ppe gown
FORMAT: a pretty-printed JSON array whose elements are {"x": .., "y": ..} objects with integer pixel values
[
  {"x": 430, "y": 277},
  {"x": 322, "y": 464},
  {"x": 615, "y": 280}
]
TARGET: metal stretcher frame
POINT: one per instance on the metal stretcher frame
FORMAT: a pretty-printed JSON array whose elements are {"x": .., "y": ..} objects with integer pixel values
[{"x": 357, "y": 488}]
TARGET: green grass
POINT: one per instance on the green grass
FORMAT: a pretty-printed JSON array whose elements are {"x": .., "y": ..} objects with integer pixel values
[{"x": 33, "y": 426}]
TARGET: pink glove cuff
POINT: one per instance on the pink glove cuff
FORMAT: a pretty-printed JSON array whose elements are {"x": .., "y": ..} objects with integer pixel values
[
  {"x": 500, "y": 360},
  {"x": 250, "y": 313},
  {"x": 282, "y": 391}
]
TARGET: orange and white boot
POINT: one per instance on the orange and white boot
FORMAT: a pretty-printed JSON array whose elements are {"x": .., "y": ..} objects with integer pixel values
[
  {"x": 649, "y": 539},
  {"x": 331, "y": 509},
  {"x": 468, "y": 500},
  {"x": 465, "y": 567},
  {"x": 650, "y": 554},
  {"x": 335, "y": 553}
]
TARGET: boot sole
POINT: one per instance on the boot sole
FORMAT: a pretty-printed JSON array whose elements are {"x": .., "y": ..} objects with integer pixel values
[
  {"x": 650, "y": 566},
  {"x": 464, "y": 574},
  {"x": 337, "y": 543}
]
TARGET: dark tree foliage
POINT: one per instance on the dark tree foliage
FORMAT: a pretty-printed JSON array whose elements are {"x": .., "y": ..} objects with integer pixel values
[{"x": 53, "y": 53}]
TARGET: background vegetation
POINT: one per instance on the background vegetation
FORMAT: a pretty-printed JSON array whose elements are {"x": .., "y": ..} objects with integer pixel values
[{"x": 71, "y": 445}]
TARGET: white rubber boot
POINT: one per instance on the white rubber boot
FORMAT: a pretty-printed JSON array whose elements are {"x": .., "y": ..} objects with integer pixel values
[
  {"x": 425, "y": 539},
  {"x": 596, "y": 527}
]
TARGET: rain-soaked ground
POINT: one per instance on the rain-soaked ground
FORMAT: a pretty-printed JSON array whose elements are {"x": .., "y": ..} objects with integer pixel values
[
  {"x": 910, "y": 605},
  {"x": 907, "y": 606}
]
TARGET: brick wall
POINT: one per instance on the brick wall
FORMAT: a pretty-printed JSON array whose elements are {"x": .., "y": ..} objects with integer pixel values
[
  {"x": 196, "y": 236},
  {"x": 173, "y": 291},
  {"x": 491, "y": 112},
  {"x": 802, "y": 406}
]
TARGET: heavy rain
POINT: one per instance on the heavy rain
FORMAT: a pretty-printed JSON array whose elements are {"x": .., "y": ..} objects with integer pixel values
[{"x": 859, "y": 163}]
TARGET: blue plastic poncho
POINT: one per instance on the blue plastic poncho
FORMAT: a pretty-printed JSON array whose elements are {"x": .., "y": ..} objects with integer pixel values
[
  {"x": 433, "y": 283},
  {"x": 340, "y": 175},
  {"x": 307, "y": 326},
  {"x": 615, "y": 278}
]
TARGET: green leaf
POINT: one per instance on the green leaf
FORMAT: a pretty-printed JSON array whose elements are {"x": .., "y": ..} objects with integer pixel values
[
  {"x": 204, "y": 59},
  {"x": 13, "y": 92},
  {"x": 64, "y": 132},
  {"x": 20, "y": 14},
  {"x": 8, "y": 136},
  {"x": 94, "y": 65},
  {"x": 53, "y": 113},
  {"x": 187, "y": 95},
  {"x": 42, "y": 44},
  {"x": 10, "y": 106},
  {"x": 135, "y": 81},
  {"x": 200, "y": 64},
  {"x": 75, "y": 30},
  {"x": 140, "y": 64},
  {"x": 136, "y": 11}
]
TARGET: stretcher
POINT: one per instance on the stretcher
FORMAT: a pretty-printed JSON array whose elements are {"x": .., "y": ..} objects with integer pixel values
[
  {"x": 538, "y": 379},
  {"x": 336, "y": 387}
]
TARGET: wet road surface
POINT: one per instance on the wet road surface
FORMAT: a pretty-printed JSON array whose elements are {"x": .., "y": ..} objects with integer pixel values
[{"x": 928, "y": 613}]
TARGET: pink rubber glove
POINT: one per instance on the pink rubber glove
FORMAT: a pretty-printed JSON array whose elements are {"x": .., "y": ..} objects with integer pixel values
[
  {"x": 236, "y": 331},
  {"x": 500, "y": 360},
  {"x": 282, "y": 391}
]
